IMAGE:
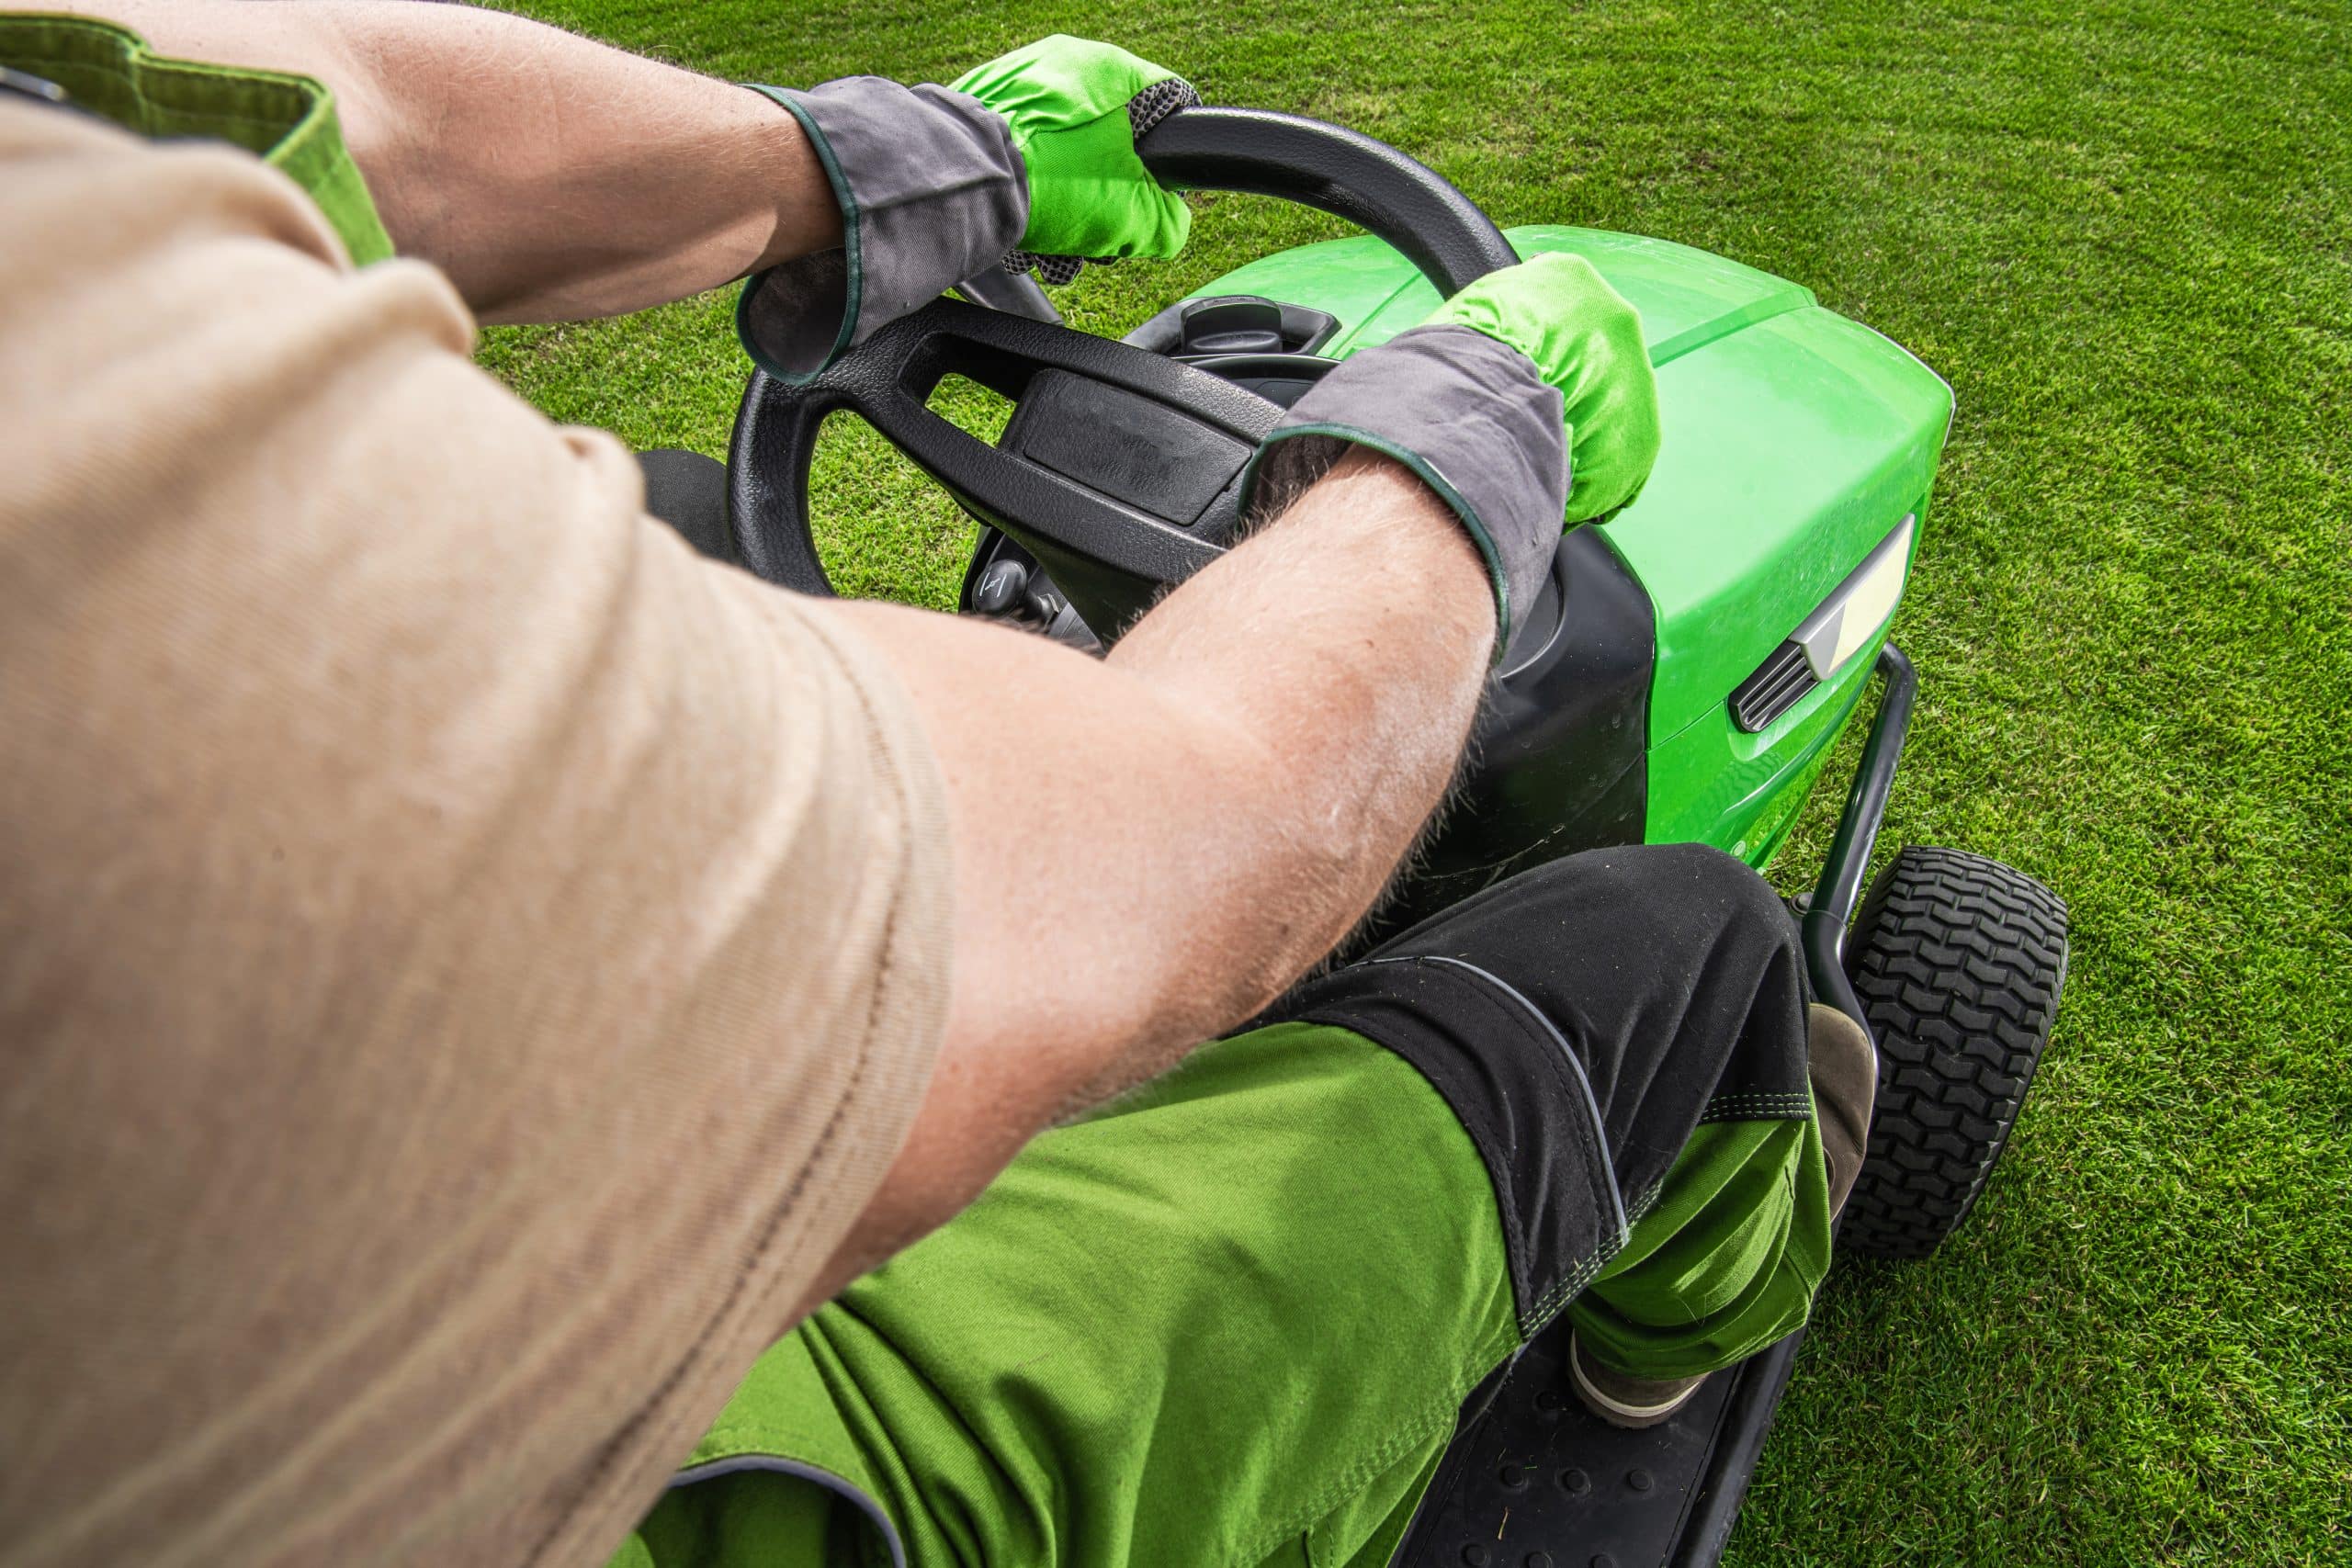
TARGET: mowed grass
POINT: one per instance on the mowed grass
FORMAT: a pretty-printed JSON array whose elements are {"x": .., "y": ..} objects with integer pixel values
[{"x": 2124, "y": 233}]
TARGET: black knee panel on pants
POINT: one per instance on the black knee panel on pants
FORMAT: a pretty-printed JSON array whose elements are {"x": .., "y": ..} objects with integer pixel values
[{"x": 1581, "y": 1018}]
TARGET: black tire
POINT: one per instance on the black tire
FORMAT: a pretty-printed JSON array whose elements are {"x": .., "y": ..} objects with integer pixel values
[{"x": 1959, "y": 962}]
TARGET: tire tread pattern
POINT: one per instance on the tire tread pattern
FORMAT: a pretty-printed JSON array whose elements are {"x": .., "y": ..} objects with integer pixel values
[{"x": 1959, "y": 962}]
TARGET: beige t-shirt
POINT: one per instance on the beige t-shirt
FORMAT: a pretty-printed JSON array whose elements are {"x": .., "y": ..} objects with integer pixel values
[{"x": 464, "y": 959}]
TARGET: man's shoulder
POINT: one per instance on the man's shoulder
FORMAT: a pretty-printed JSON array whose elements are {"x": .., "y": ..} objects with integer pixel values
[{"x": 75, "y": 184}]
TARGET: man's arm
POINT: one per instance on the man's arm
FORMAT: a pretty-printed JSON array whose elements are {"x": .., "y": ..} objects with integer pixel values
[
  {"x": 1150, "y": 847},
  {"x": 1147, "y": 848},
  {"x": 551, "y": 177},
  {"x": 1206, "y": 813}
]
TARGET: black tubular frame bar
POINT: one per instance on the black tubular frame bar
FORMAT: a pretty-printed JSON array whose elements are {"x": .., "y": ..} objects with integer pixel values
[{"x": 1831, "y": 909}]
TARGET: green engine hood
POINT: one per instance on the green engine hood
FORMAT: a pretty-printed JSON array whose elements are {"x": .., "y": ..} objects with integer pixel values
[{"x": 1794, "y": 440}]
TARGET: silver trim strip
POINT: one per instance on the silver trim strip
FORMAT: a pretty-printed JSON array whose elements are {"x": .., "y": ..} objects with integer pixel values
[{"x": 1818, "y": 633}]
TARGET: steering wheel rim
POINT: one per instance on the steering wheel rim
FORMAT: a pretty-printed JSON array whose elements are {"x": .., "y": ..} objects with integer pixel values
[
  {"x": 1385, "y": 193},
  {"x": 1109, "y": 557}
]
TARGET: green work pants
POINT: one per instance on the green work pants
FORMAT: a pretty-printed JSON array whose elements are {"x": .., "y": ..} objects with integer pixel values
[{"x": 1228, "y": 1320}]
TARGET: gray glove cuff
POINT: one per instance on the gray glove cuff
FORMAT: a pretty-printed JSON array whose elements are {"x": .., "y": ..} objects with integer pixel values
[
  {"x": 1467, "y": 413},
  {"x": 932, "y": 192}
]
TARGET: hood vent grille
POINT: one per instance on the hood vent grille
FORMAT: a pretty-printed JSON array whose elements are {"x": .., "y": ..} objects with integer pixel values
[
  {"x": 1827, "y": 640},
  {"x": 1778, "y": 685}
]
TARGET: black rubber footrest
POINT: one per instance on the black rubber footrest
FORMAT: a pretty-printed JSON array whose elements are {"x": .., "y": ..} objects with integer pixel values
[{"x": 1538, "y": 1482}]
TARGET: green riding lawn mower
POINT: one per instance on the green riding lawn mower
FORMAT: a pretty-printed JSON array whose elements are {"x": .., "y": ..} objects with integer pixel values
[{"x": 1681, "y": 679}]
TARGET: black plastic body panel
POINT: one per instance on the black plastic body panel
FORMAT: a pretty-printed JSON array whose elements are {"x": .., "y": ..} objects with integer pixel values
[
  {"x": 1560, "y": 759},
  {"x": 1281, "y": 379}
]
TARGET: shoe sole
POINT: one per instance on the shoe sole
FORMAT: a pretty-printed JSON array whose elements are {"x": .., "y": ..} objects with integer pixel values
[{"x": 1630, "y": 1418}]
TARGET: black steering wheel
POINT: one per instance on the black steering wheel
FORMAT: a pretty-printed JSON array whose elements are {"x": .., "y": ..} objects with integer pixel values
[{"x": 1120, "y": 470}]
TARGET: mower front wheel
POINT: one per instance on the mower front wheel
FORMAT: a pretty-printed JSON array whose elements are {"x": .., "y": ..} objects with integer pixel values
[{"x": 1959, "y": 962}]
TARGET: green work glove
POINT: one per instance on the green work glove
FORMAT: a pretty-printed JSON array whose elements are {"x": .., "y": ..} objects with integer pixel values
[
  {"x": 1585, "y": 340},
  {"x": 1077, "y": 109},
  {"x": 1028, "y": 162},
  {"x": 1526, "y": 403}
]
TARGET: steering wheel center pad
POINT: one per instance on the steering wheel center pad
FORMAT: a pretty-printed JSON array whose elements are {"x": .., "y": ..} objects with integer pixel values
[{"x": 1119, "y": 464}]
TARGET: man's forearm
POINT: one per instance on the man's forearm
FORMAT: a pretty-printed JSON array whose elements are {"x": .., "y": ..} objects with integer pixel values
[
  {"x": 1348, "y": 645},
  {"x": 550, "y": 176},
  {"x": 1147, "y": 853}
]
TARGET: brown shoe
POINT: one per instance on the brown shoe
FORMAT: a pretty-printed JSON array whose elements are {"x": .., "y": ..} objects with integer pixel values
[
  {"x": 1844, "y": 1069},
  {"x": 1621, "y": 1399}
]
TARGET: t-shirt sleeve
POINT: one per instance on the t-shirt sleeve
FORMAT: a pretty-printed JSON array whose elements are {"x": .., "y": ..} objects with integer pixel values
[{"x": 465, "y": 960}]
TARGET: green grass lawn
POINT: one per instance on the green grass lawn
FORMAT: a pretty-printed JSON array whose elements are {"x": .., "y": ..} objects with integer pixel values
[{"x": 2124, "y": 233}]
